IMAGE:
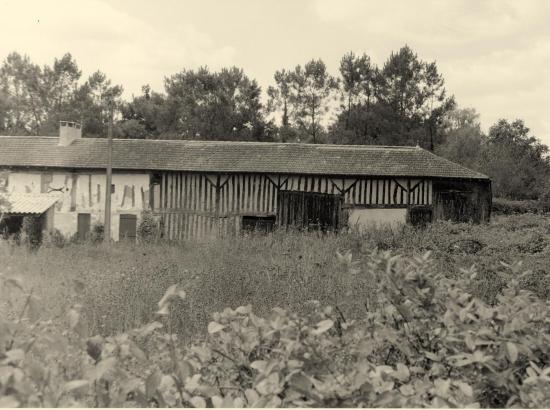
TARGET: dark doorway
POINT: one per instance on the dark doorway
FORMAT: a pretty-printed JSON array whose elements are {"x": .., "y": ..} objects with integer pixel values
[
  {"x": 263, "y": 224},
  {"x": 453, "y": 206},
  {"x": 420, "y": 215},
  {"x": 310, "y": 210},
  {"x": 83, "y": 227},
  {"x": 10, "y": 226},
  {"x": 128, "y": 227}
]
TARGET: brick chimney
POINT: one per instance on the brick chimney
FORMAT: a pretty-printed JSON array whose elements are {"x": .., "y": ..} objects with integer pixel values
[{"x": 68, "y": 132}]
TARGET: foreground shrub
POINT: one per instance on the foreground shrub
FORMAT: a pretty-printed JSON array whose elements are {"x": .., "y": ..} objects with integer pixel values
[
  {"x": 424, "y": 342},
  {"x": 427, "y": 343},
  {"x": 537, "y": 282},
  {"x": 487, "y": 285}
]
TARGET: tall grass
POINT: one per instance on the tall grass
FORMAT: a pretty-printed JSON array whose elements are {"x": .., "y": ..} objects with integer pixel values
[{"x": 119, "y": 285}]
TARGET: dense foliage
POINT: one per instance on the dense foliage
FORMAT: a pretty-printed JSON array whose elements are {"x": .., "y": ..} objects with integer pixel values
[
  {"x": 31, "y": 230},
  {"x": 34, "y": 99},
  {"x": 148, "y": 230},
  {"x": 402, "y": 102},
  {"x": 218, "y": 106},
  {"x": 359, "y": 325},
  {"x": 302, "y": 95},
  {"x": 508, "y": 207},
  {"x": 423, "y": 341},
  {"x": 516, "y": 161}
]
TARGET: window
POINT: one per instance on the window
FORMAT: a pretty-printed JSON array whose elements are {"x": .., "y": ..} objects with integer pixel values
[
  {"x": 112, "y": 188},
  {"x": 263, "y": 224},
  {"x": 45, "y": 181},
  {"x": 156, "y": 178}
]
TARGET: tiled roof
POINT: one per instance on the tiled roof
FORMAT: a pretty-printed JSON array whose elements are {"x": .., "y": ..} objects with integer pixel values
[
  {"x": 222, "y": 156},
  {"x": 16, "y": 203}
]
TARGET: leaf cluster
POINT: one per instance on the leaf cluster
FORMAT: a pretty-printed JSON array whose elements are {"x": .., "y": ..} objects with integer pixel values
[{"x": 424, "y": 341}]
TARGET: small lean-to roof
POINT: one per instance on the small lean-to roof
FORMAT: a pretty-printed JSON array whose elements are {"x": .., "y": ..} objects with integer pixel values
[
  {"x": 224, "y": 156},
  {"x": 18, "y": 203}
]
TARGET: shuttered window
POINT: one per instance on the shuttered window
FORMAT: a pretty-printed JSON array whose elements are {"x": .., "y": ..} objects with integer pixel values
[{"x": 127, "y": 227}]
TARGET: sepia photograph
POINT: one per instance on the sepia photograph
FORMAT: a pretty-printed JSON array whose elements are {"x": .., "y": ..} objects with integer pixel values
[{"x": 275, "y": 203}]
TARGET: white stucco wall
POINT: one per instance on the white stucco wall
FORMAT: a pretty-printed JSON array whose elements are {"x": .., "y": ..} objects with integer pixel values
[
  {"x": 363, "y": 218},
  {"x": 84, "y": 192}
]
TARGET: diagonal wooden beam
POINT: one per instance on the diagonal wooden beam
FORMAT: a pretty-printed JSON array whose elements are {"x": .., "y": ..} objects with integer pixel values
[{"x": 350, "y": 187}]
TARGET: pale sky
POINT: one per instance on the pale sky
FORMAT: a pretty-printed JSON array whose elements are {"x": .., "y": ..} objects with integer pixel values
[{"x": 493, "y": 54}]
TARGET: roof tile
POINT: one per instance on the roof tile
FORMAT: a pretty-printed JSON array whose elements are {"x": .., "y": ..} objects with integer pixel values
[
  {"x": 18, "y": 203},
  {"x": 223, "y": 156}
]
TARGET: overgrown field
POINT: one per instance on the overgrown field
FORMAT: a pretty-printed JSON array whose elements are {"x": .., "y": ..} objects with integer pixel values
[{"x": 394, "y": 318}]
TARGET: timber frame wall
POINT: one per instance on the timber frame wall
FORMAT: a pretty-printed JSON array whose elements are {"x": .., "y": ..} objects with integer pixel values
[{"x": 198, "y": 205}]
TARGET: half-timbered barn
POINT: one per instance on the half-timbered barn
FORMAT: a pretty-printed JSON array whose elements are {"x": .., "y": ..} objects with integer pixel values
[{"x": 202, "y": 189}]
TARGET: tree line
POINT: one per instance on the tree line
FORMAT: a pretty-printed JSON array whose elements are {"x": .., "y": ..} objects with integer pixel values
[{"x": 402, "y": 102}]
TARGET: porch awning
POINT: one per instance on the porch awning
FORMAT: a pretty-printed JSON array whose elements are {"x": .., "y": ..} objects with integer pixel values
[{"x": 17, "y": 203}]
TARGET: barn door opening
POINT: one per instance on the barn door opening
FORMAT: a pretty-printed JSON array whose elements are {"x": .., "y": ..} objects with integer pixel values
[
  {"x": 453, "y": 205},
  {"x": 128, "y": 227},
  {"x": 310, "y": 210},
  {"x": 420, "y": 215},
  {"x": 263, "y": 224},
  {"x": 83, "y": 226}
]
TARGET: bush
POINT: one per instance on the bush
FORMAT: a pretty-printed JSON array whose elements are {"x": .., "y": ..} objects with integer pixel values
[
  {"x": 390, "y": 329},
  {"x": 426, "y": 343},
  {"x": 148, "y": 229},
  {"x": 55, "y": 238},
  {"x": 535, "y": 243},
  {"x": 537, "y": 282},
  {"x": 97, "y": 233},
  {"x": 487, "y": 285},
  {"x": 31, "y": 230},
  {"x": 509, "y": 207},
  {"x": 522, "y": 222}
]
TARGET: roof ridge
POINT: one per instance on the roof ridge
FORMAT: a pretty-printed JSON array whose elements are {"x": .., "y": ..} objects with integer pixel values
[
  {"x": 29, "y": 136},
  {"x": 303, "y": 144},
  {"x": 223, "y": 142}
]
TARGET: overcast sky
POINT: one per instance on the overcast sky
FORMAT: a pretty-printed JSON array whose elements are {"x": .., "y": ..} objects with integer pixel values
[{"x": 494, "y": 55}]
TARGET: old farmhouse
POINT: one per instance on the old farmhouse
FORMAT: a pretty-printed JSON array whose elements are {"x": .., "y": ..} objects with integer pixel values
[{"x": 200, "y": 188}]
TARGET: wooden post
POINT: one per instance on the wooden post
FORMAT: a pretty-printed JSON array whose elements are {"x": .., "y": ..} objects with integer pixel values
[
  {"x": 408, "y": 216},
  {"x": 108, "y": 183},
  {"x": 218, "y": 191}
]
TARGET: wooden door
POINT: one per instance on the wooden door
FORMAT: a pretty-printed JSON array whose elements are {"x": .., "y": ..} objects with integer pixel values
[
  {"x": 309, "y": 210},
  {"x": 127, "y": 227},
  {"x": 83, "y": 226},
  {"x": 453, "y": 206}
]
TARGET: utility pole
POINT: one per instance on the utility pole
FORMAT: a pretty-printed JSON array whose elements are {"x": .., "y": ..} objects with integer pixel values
[{"x": 108, "y": 182}]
